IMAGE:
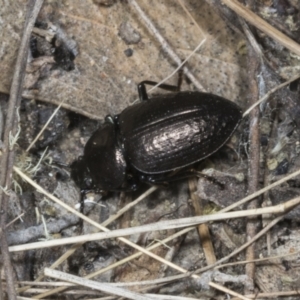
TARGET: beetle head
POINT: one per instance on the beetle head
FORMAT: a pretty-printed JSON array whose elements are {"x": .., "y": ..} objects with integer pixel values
[
  {"x": 81, "y": 175},
  {"x": 103, "y": 165}
]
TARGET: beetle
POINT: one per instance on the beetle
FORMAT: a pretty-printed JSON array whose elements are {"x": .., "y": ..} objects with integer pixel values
[{"x": 150, "y": 139}]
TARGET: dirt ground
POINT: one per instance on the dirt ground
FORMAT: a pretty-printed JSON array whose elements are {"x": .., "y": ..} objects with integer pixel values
[{"x": 88, "y": 57}]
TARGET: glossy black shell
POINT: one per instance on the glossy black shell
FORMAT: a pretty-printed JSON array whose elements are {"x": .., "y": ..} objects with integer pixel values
[
  {"x": 176, "y": 130},
  {"x": 154, "y": 137}
]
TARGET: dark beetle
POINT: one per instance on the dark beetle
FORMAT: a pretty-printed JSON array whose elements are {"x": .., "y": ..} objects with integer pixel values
[{"x": 148, "y": 140}]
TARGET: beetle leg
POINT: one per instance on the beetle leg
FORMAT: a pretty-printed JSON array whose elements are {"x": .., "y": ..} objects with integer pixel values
[
  {"x": 180, "y": 78},
  {"x": 210, "y": 178},
  {"x": 164, "y": 179},
  {"x": 159, "y": 181},
  {"x": 143, "y": 92}
]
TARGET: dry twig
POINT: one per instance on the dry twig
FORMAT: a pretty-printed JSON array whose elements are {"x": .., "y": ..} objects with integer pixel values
[
  {"x": 162, "y": 225},
  {"x": 165, "y": 45},
  {"x": 7, "y": 159},
  {"x": 265, "y": 27},
  {"x": 254, "y": 154},
  {"x": 203, "y": 230}
]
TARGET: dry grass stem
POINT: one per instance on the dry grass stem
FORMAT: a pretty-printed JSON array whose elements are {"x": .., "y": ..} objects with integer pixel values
[
  {"x": 8, "y": 155},
  {"x": 259, "y": 192},
  {"x": 44, "y": 127},
  {"x": 202, "y": 270},
  {"x": 165, "y": 45},
  {"x": 163, "y": 225},
  {"x": 203, "y": 230},
  {"x": 136, "y": 255},
  {"x": 140, "y": 288},
  {"x": 81, "y": 292},
  {"x": 95, "y": 285},
  {"x": 14, "y": 220},
  {"x": 188, "y": 229},
  {"x": 82, "y": 216},
  {"x": 112, "y": 266},
  {"x": 227, "y": 291},
  {"x": 70, "y": 251},
  {"x": 262, "y": 25},
  {"x": 129, "y": 206},
  {"x": 273, "y": 295},
  {"x": 267, "y": 95},
  {"x": 181, "y": 66},
  {"x": 45, "y": 283},
  {"x": 269, "y": 258},
  {"x": 169, "y": 297}
]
